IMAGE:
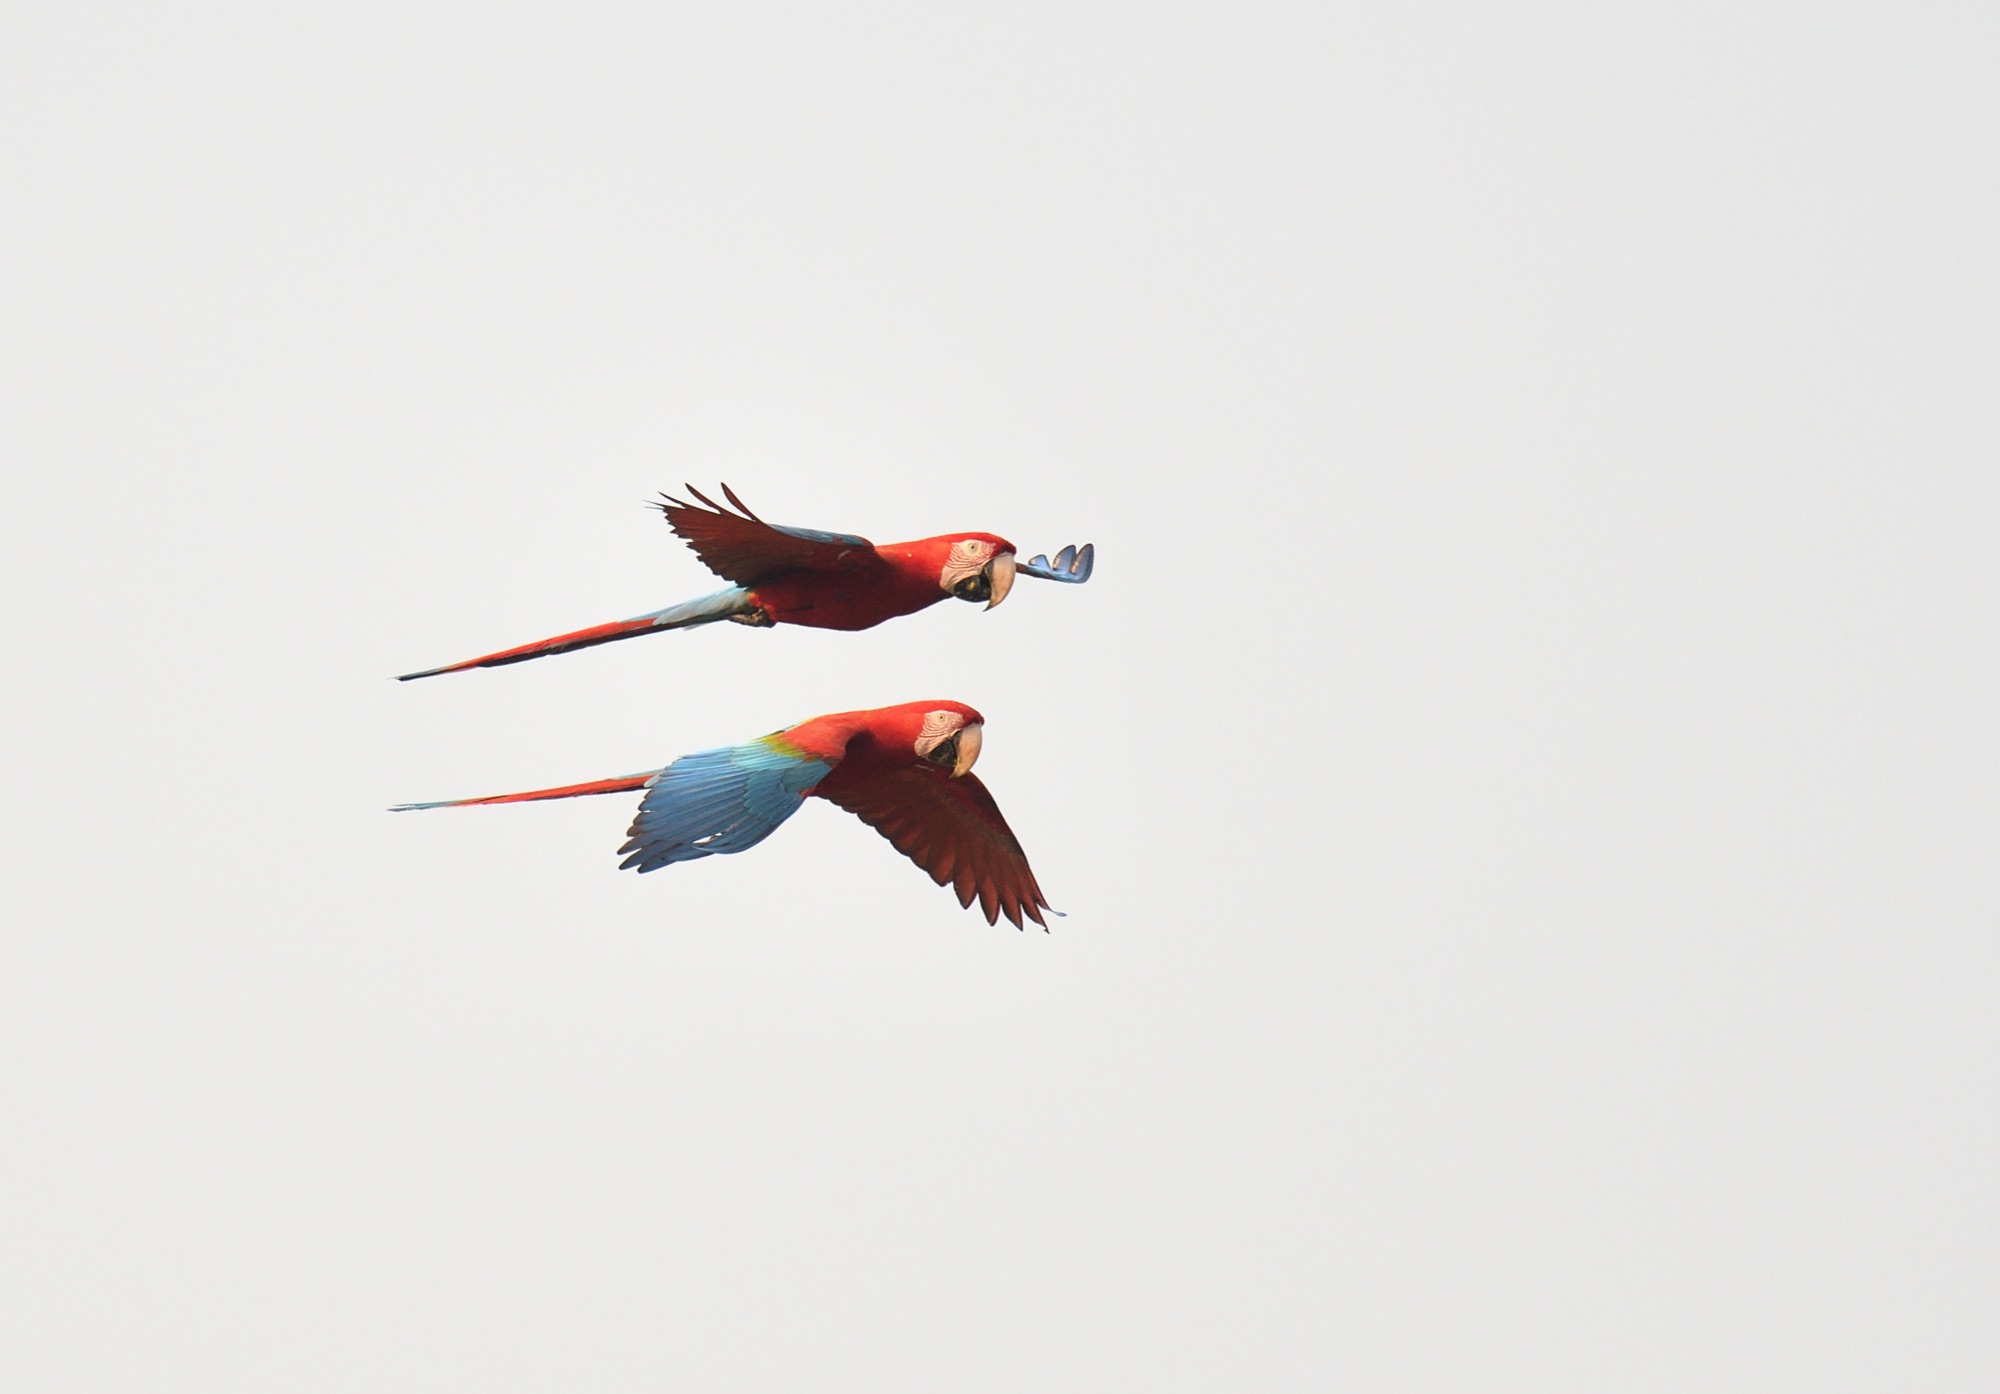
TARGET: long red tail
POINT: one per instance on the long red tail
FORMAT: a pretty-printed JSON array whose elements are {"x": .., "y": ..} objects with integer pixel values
[
  {"x": 620, "y": 785},
  {"x": 707, "y": 610}
]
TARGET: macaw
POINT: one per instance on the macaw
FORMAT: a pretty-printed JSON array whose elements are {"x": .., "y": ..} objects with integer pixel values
[
  {"x": 825, "y": 580},
  {"x": 906, "y": 771}
]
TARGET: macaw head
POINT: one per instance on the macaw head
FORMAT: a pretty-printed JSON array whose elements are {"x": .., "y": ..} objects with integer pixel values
[
  {"x": 948, "y": 736},
  {"x": 978, "y": 566}
]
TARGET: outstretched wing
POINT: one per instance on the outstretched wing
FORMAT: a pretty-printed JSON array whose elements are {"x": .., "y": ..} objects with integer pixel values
[
  {"x": 953, "y": 830},
  {"x": 742, "y": 548},
  {"x": 717, "y": 801}
]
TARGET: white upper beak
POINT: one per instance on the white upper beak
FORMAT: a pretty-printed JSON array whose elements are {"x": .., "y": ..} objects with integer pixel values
[
  {"x": 999, "y": 577},
  {"x": 969, "y": 738}
]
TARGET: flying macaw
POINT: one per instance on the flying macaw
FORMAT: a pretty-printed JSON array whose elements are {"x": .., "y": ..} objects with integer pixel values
[
  {"x": 826, "y": 580},
  {"x": 905, "y": 771}
]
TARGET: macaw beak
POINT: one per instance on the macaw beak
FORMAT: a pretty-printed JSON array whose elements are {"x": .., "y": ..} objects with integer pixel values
[
  {"x": 999, "y": 578},
  {"x": 967, "y": 741}
]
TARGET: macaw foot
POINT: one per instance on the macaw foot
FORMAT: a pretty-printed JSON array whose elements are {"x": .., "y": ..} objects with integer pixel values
[{"x": 755, "y": 617}]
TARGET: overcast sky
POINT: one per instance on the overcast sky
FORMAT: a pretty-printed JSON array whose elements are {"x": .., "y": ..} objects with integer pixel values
[{"x": 1522, "y": 781}]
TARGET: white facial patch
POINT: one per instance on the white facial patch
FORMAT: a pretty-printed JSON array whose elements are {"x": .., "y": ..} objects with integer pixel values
[
  {"x": 938, "y": 726},
  {"x": 968, "y": 558}
]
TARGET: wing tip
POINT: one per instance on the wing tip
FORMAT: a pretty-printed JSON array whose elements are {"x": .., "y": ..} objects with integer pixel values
[
  {"x": 1073, "y": 564},
  {"x": 704, "y": 504}
]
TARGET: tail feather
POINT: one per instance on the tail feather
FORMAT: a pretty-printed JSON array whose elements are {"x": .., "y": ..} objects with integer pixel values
[
  {"x": 620, "y": 785},
  {"x": 707, "y": 610}
]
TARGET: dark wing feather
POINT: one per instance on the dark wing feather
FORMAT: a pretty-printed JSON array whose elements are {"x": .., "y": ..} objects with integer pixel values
[
  {"x": 742, "y": 548},
  {"x": 953, "y": 830}
]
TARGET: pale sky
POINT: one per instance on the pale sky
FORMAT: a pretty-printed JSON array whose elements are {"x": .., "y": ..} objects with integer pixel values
[{"x": 1522, "y": 781}]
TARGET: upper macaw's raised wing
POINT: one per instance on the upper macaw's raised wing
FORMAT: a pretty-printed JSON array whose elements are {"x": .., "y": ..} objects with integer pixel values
[
  {"x": 953, "y": 830},
  {"x": 742, "y": 548},
  {"x": 717, "y": 801}
]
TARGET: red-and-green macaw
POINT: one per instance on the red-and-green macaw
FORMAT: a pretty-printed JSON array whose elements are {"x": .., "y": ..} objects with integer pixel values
[
  {"x": 905, "y": 771},
  {"x": 827, "y": 580}
]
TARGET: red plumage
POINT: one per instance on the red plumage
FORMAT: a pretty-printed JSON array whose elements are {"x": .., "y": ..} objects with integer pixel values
[
  {"x": 903, "y": 770},
  {"x": 949, "y": 826},
  {"x": 821, "y": 580}
]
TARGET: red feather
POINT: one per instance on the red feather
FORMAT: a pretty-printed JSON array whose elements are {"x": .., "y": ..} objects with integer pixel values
[
  {"x": 951, "y": 828},
  {"x": 747, "y": 551}
]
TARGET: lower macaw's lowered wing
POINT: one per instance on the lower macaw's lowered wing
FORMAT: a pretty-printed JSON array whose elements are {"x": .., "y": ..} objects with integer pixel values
[{"x": 951, "y": 828}]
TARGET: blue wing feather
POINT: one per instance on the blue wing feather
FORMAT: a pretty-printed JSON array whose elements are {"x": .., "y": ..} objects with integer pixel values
[
  {"x": 719, "y": 801},
  {"x": 1070, "y": 565},
  {"x": 842, "y": 539}
]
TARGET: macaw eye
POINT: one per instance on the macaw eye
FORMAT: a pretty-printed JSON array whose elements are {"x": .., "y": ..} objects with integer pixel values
[
  {"x": 945, "y": 752},
  {"x": 977, "y": 587}
]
